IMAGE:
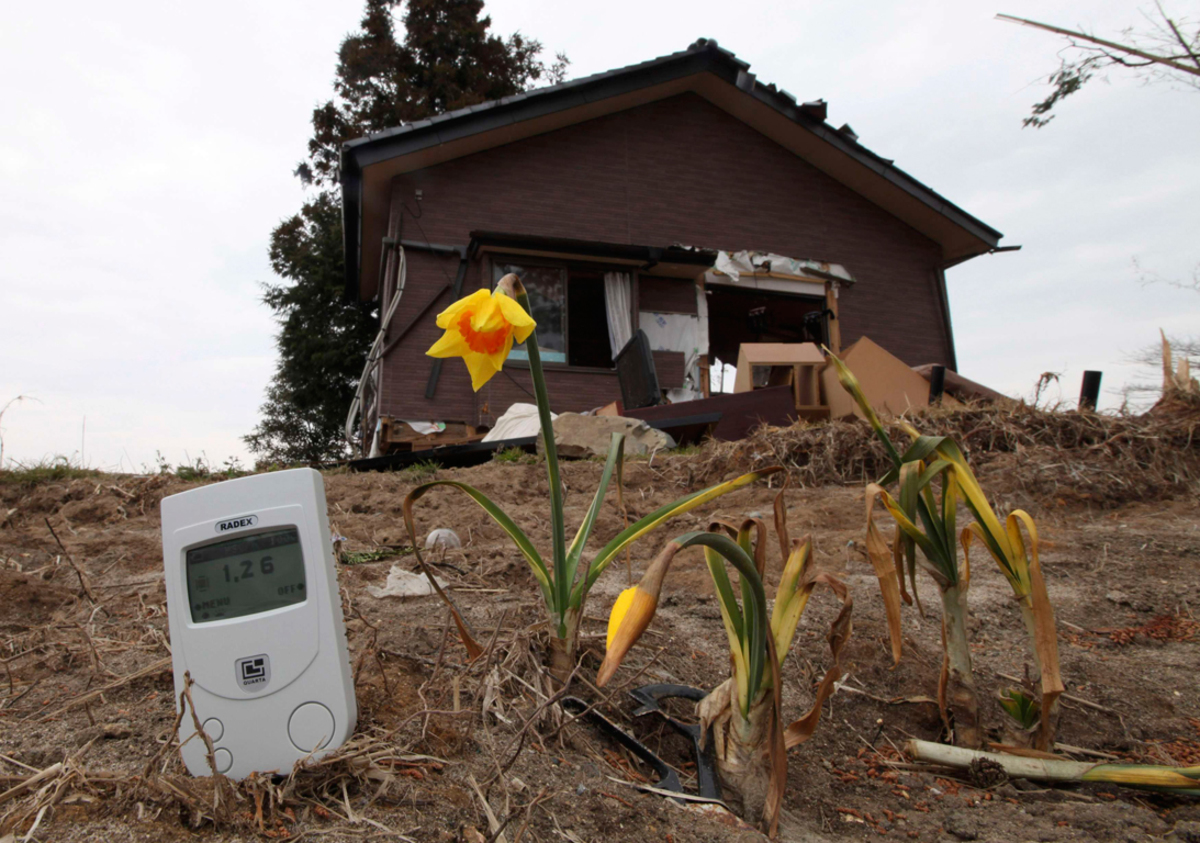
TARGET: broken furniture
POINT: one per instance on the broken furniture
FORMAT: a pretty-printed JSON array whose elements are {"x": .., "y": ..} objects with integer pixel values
[
  {"x": 964, "y": 389},
  {"x": 580, "y": 436},
  {"x": 637, "y": 374},
  {"x": 762, "y": 365},
  {"x": 396, "y": 435},
  {"x": 650, "y": 697},
  {"x": 737, "y": 413},
  {"x": 889, "y": 384}
]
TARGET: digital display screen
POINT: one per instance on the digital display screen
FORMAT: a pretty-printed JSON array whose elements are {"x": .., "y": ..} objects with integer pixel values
[{"x": 246, "y": 575}]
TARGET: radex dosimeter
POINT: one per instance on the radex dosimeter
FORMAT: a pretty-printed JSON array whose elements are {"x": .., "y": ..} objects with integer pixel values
[{"x": 256, "y": 621}]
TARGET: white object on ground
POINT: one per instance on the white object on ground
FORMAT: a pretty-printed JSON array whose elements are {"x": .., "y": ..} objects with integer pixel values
[
  {"x": 402, "y": 583},
  {"x": 442, "y": 537},
  {"x": 518, "y": 422}
]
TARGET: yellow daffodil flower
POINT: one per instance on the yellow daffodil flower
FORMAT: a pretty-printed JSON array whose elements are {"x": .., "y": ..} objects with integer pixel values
[
  {"x": 619, "y": 610},
  {"x": 481, "y": 329},
  {"x": 630, "y": 617}
]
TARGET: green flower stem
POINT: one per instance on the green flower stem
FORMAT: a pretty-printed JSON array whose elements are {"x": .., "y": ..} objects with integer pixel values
[{"x": 562, "y": 588}]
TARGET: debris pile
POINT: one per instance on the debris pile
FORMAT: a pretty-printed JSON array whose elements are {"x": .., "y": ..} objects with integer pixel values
[{"x": 1049, "y": 456}]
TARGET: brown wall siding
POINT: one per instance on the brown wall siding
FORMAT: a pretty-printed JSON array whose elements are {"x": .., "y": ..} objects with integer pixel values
[
  {"x": 668, "y": 367},
  {"x": 406, "y": 369},
  {"x": 678, "y": 170},
  {"x": 666, "y": 295},
  {"x": 570, "y": 392}
]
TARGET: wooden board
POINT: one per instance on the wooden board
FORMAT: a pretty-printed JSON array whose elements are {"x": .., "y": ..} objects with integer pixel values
[{"x": 740, "y": 412}]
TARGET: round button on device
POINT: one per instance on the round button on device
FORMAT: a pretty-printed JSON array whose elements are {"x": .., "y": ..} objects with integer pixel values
[
  {"x": 310, "y": 727},
  {"x": 224, "y": 759},
  {"x": 214, "y": 728}
]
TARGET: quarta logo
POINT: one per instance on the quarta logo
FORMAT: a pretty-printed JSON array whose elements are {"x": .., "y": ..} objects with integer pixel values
[
  {"x": 237, "y": 523},
  {"x": 253, "y": 672}
]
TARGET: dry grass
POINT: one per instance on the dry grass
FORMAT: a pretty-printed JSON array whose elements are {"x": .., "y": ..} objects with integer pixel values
[{"x": 1046, "y": 454}]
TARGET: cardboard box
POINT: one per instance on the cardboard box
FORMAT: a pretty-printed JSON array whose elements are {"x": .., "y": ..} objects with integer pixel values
[
  {"x": 887, "y": 382},
  {"x": 797, "y": 365}
]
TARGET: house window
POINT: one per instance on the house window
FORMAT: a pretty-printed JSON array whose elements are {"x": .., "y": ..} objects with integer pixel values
[
  {"x": 547, "y": 288},
  {"x": 569, "y": 308}
]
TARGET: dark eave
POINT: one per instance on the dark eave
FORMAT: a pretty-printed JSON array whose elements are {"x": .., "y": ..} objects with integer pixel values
[
  {"x": 702, "y": 57},
  {"x": 595, "y": 249}
]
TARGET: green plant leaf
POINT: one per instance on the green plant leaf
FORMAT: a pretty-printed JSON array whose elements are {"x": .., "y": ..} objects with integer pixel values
[
  {"x": 655, "y": 520},
  {"x": 616, "y": 454},
  {"x": 1021, "y": 707},
  {"x": 756, "y": 624},
  {"x": 851, "y": 385},
  {"x": 729, "y": 603},
  {"x": 498, "y": 515},
  {"x": 731, "y": 616}
]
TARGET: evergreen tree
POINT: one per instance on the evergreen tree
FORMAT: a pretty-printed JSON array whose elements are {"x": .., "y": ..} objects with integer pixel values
[
  {"x": 447, "y": 60},
  {"x": 322, "y": 339}
]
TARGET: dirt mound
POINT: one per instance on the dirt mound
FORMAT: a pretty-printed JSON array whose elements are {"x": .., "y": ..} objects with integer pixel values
[
  {"x": 91, "y": 685},
  {"x": 101, "y": 499},
  {"x": 27, "y": 601},
  {"x": 1046, "y": 456}
]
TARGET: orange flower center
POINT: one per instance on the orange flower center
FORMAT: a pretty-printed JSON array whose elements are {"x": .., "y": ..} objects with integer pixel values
[{"x": 483, "y": 342}]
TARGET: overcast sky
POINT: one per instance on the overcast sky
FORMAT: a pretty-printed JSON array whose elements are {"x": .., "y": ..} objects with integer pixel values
[{"x": 146, "y": 152}]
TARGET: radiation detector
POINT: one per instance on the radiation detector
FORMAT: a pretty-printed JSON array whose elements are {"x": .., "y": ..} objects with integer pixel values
[{"x": 256, "y": 621}]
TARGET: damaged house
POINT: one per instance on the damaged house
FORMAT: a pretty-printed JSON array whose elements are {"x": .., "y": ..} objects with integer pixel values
[{"x": 680, "y": 197}]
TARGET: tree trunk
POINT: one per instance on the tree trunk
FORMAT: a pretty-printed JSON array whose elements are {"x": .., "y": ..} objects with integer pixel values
[{"x": 957, "y": 693}]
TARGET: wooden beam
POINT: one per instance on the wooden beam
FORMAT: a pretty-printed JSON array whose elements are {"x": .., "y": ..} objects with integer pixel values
[{"x": 835, "y": 330}]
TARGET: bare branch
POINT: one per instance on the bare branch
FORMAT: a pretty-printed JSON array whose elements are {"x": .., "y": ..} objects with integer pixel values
[
  {"x": 1178, "y": 35},
  {"x": 1151, "y": 53},
  {"x": 1130, "y": 50}
]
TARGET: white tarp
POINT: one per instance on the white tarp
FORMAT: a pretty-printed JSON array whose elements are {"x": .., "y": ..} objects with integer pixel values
[
  {"x": 518, "y": 421},
  {"x": 736, "y": 264}
]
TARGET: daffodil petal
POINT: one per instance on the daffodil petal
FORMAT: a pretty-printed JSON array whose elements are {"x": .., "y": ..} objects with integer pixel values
[
  {"x": 487, "y": 317},
  {"x": 481, "y": 367},
  {"x": 452, "y": 344},
  {"x": 619, "y": 610},
  {"x": 449, "y": 317},
  {"x": 513, "y": 312},
  {"x": 522, "y": 334}
]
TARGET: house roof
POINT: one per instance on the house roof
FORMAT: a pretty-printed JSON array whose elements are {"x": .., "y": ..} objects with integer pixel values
[{"x": 369, "y": 163}]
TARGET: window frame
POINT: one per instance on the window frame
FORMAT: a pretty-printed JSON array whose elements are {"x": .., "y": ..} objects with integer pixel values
[
  {"x": 494, "y": 259},
  {"x": 566, "y": 282}
]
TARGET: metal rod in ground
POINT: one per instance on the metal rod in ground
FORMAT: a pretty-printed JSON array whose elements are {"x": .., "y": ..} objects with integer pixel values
[
  {"x": 1089, "y": 394},
  {"x": 937, "y": 384}
]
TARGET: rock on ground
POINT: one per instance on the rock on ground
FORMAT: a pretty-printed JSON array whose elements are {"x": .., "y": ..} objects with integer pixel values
[{"x": 589, "y": 436}]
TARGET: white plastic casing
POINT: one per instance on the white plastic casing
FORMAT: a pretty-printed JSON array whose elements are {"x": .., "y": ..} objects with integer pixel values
[{"x": 255, "y": 729}]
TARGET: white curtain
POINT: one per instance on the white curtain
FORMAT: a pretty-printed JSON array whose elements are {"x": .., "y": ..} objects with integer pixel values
[{"x": 618, "y": 293}]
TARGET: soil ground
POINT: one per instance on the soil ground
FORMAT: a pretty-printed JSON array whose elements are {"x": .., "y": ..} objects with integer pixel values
[{"x": 1124, "y": 581}]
